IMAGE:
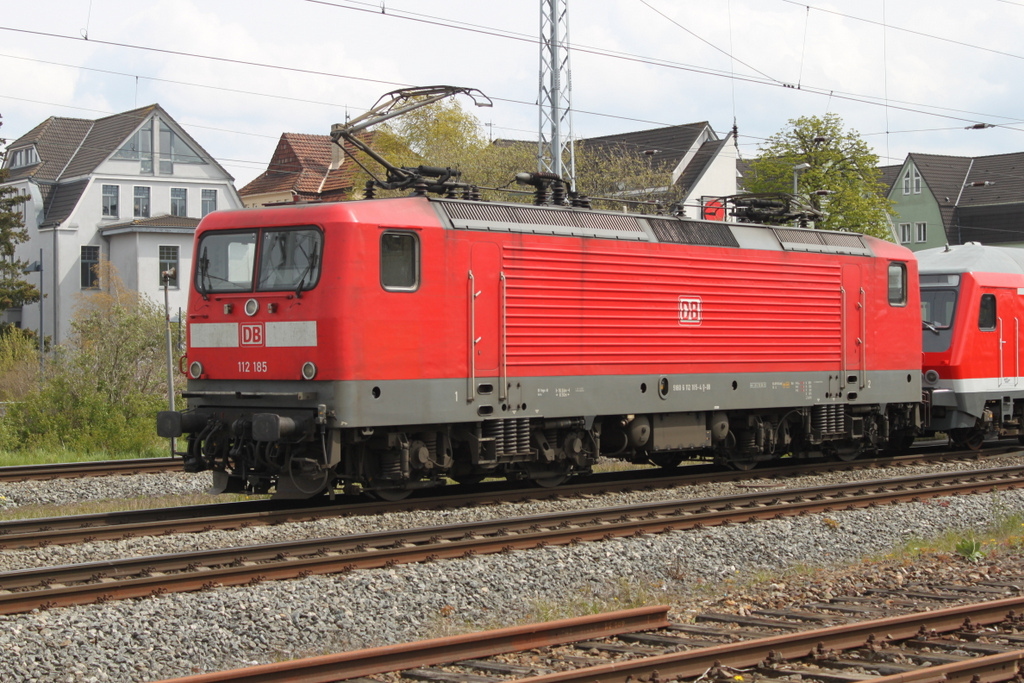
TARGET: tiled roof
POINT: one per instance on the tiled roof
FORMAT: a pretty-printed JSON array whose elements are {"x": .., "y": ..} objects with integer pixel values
[
  {"x": 162, "y": 221},
  {"x": 56, "y": 140},
  {"x": 698, "y": 165},
  {"x": 301, "y": 165},
  {"x": 104, "y": 138},
  {"x": 62, "y": 201},
  {"x": 665, "y": 146},
  {"x": 1005, "y": 172},
  {"x": 73, "y": 148},
  {"x": 889, "y": 175}
]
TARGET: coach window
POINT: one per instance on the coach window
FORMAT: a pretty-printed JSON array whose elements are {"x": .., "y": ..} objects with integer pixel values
[
  {"x": 987, "y": 315},
  {"x": 897, "y": 284},
  {"x": 399, "y": 261}
]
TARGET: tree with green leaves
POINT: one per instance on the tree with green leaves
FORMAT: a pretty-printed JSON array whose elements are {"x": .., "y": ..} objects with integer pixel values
[
  {"x": 14, "y": 289},
  {"x": 835, "y": 172}
]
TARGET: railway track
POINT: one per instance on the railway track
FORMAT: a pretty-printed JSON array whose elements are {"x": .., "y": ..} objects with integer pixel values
[
  {"x": 39, "y": 532},
  {"x": 25, "y": 590},
  {"x": 96, "y": 468},
  {"x": 980, "y": 639}
]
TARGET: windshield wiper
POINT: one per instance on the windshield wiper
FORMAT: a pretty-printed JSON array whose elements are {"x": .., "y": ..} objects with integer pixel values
[
  {"x": 307, "y": 271},
  {"x": 204, "y": 274},
  {"x": 929, "y": 326}
]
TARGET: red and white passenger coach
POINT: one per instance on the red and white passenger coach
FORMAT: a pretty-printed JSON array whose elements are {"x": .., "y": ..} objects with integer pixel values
[
  {"x": 389, "y": 344},
  {"x": 973, "y": 314}
]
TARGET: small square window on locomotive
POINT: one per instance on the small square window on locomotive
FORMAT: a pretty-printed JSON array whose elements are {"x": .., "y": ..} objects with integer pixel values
[
  {"x": 399, "y": 261},
  {"x": 897, "y": 284}
]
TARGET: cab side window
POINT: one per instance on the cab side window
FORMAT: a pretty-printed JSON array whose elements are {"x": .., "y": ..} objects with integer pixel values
[
  {"x": 987, "y": 315},
  {"x": 897, "y": 284},
  {"x": 399, "y": 261}
]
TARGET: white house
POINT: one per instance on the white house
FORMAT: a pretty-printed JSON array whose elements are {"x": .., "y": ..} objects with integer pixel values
[{"x": 129, "y": 188}]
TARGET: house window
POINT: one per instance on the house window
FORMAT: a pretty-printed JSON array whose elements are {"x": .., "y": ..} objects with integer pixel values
[
  {"x": 179, "y": 201},
  {"x": 139, "y": 147},
  {"x": 111, "y": 194},
  {"x": 905, "y": 233},
  {"x": 26, "y": 156},
  {"x": 169, "y": 263},
  {"x": 922, "y": 232},
  {"x": 399, "y": 261},
  {"x": 142, "y": 202},
  {"x": 209, "y": 201},
  {"x": 912, "y": 181},
  {"x": 174, "y": 150},
  {"x": 90, "y": 267}
]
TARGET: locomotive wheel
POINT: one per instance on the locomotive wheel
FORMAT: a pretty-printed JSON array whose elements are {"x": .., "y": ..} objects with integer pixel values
[
  {"x": 743, "y": 464},
  {"x": 391, "y": 495},
  {"x": 301, "y": 479},
  {"x": 548, "y": 478},
  {"x": 667, "y": 462},
  {"x": 847, "y": 454},
  {"x": 969, "y": 437}
]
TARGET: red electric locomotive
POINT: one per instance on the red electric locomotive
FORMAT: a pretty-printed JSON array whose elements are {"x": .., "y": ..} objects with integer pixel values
[
  {"x": 389, "y": 344},
  {"x": 972, "y": 312}
]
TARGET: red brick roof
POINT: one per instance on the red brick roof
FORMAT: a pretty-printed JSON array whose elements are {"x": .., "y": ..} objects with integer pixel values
[{"x": 301, "y": 165}]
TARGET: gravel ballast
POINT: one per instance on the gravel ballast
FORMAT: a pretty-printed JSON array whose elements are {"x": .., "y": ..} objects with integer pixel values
[{"x": 181, "y": 634}]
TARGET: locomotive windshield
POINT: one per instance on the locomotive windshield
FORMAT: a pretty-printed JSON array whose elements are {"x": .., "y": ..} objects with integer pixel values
[{"x": 288, "y": 259}]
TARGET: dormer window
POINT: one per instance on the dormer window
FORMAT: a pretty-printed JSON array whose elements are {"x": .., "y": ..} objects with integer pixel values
[
  {"x": 157, "y": 140},
  {"x": 26, "y": 156},
  {"x": 912, "y": 181},
  {"x": 139, "y": 147}
]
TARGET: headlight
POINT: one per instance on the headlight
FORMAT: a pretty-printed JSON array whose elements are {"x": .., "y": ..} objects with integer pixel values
[
  {"x": 251, "y": 307},
  {"x": 195, "y": 369},
  {"x": 308, "y": 370},
  {"x": 931, "y": 377}
]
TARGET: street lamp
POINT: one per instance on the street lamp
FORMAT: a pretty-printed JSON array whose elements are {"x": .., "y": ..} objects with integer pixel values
[
  {"x": 37, "y": 267},
  {"x": 797, "y": 170},
  {"x": 165, "y": 278}
]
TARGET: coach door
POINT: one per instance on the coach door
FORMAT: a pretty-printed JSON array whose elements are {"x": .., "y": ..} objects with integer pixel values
[
  {"x": 484, "y": 293},
  {"x": 1000, "y": 305},
  {"x": 854, "y": 315}
]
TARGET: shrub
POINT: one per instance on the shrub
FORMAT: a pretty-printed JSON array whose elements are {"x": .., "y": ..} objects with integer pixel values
[{"x": 103, "y": 387}]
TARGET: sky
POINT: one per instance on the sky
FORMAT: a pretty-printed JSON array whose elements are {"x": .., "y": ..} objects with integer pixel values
[{"x": 908, "y": 75}]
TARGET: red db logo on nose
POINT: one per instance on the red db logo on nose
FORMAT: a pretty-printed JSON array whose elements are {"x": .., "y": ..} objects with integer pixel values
[{"x": 252, "y": 334}]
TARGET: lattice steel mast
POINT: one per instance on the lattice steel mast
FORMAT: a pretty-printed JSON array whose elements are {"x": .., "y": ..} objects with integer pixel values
[{"x": 555, "y": 152}]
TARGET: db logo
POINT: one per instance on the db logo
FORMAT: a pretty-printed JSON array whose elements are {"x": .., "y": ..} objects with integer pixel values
[
  {"x": 252, "y": 334},
  {"x": 690, "y": 310}
]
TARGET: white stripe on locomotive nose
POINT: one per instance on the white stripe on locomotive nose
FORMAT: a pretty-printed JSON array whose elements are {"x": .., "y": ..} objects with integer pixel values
[
  {"x": 213, "y": 335},
  {"x": 297, "y": 333}
]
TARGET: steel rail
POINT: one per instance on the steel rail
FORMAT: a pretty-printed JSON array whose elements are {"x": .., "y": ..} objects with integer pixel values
[
  {"x": 613, "y": 521},
  {"x": 36, "y": 532},
  {"x": 238, "y": 566},
  {"x": 686, "y": 664},
  {"x": 693, "y": 663},
  {"x": 93, "y": 468},
  {"x": 440, "y": 650}
]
